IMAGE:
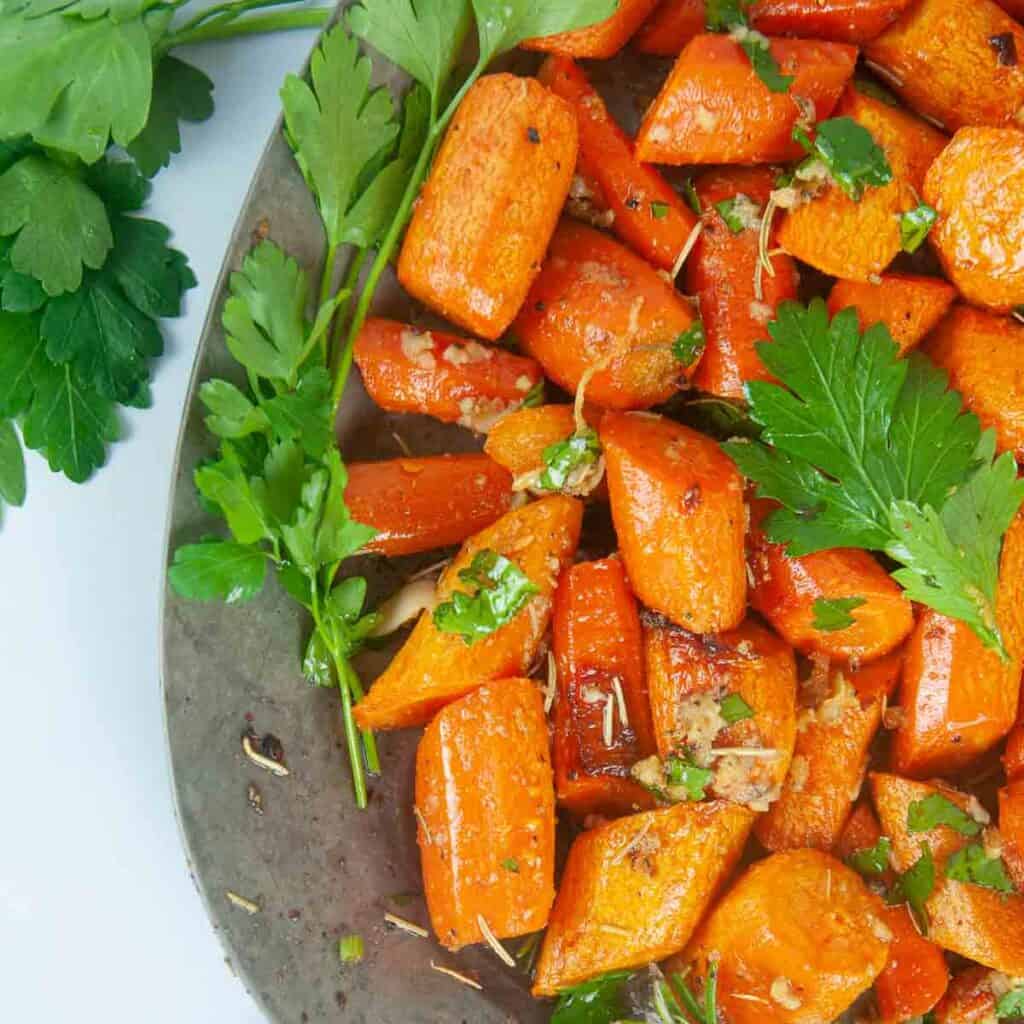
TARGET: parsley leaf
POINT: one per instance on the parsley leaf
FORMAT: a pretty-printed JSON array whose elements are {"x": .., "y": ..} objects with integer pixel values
[
  {"x": 720, "y": 417},
  {"x": 659, "y": 211},
  {"x": 973, "y": 865},
  {"x": 22, "y": 351},
  {"x": 511, "y": 864},
  {"x": 915, "y": 225},
  {"x": 690, "y": 195},
  {"x": 502, "y": 589},
  {"x": 566, "y": 461},
  {"x": 19, "y": 293},
  {"x": 218, "y": 570},
  {"x": 690, "y": 776},
  {"x": 673, "y": 780},
  {"x": 833, "y": 614},
  {"x": 853, "y": 158},
  {"x": 733, "y": 708},
  {"x": 1011, "y": 1004},
  {"x": 730, "y": 211},
  {"x": 304, "y": 414},
  {"x": 600, "y": 1000},
  {"x": 12, "y": 466},
  {"x": 935, "y": 810},
  {"x": 873, "y": 860},
  {"x": 723, "y": 15},
  {"x": 224, "y": 483},
  {"x": 503, "y": 24},
  {"x": 766, "y": 67},
  {"x": 689, "y": 345},
  {"x": 915, "y": 885}
]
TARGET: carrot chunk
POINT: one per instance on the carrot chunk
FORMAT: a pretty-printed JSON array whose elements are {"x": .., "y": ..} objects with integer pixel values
[
  {"x": 970, "y": 998},
  {"x": 672, "y": 25},
  {"x": 1015, "y": 8},
  {"x": 604, "y": 39},
  {"x": 677, "y": 505},
  {"x": 487, "y": 211},
  {"x": 1011, "y": 829},
  {"x": 940, "y": 58},
  {"x": 597, "y": 306},
  {"x": 1013, "y": 753},
  {"x": 909, "y": 305},
  {"x": 915, "y": 977},
  {"x": 721, "y": 273},
  {"x": 517, "y": 441},
  {"x": 842, "y": 21},
  {"x": 977, "y": 186},
  {"x": 860, "y": 832},
  {"x": 647, "y": 213},
  {"x": 434, "y": 668},
  {"x": 486, "y": 815},
  {"x": 713, "y": 108},
  {"x": 634, "y": 890},
  {"x": 602, "y": 712},
  {"x": 424, "y": 503}
]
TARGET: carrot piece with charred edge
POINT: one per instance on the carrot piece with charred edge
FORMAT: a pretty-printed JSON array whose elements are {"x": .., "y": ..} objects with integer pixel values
[
  {"x": 434, "y": 668},
  {"x": 796, "y": 937},
  {"x": 599, "y": 654},
  {"x": 1011, "y": 829},
  {"x": 688, "y": 675},
  {"x": 984, "y": 357},
  {"x": 857, "y": 240},
  {"x": 597, "y": 306},
  {"x": 486, "y": 815},
  {"x": 978, "y": 923},
  {"x": 677, "y": 505},
  {"x": 649, "y": 216},
  {"x": 785, "y": 590},
  {"x": 1013, "y": 753},
  {"x": 495, "y": 191},
  {"x": 915, "y": 977},
  {"x": 721, "y": 272},
  {"x": 958, "y": 698},
  {"x": 672, "y": 25},
  {"x": 940, "y": 59},
  {"x": 634, "y": 889},
  {"x": 841, "y": 21},
  {"x": 455, "y": 380},
  {"x": 977, "y": 186},
  {"x": 713, "y": 107},
  {"x": 909, "y": 305},
  {"x": 969, "y": 999},
  {"x": 417, "y": 504},
  {"x": 599, "y": 41}
]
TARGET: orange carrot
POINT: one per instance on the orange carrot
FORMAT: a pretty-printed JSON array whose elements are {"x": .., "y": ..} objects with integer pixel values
[
  {"x": 842, "y": 21},
  {"x": 517, "y": 441},
  {"x": 598, "y": 649},
  {"x": 713, "y": 108},
  {"x": 633, "y": 890},
  {"x": 677, "y": 504},
  {"x": 1015, "y": 8},
  {"x": 486, "y": 815},
  {"x": 1013, "y": 754},
  {"x": 598, "y": 307},
  {"x": 424, "y": 503},
  {"x": 604, "y": 39},
  {"x": 860, "y": 832},
  {"x": 909, "y": 305},
  {"x": 484, "y": 217},
  {"x": 672, "y": 25},
  {"x": 721, "y": 273},
  {"x": 915, "y": 977},
  {"x": 970, "y": 998},
  {"x": 1011, "y": 829},
  {"x": 434, "y": 668},
  {"x": 647, "y": 214}
]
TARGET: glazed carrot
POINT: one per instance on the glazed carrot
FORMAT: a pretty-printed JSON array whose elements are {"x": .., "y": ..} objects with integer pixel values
[
  {"x": 721, "y": 272},
  {"x": 970, "y": 998},
  {"x": 909, "y": 305},
  {"x": 842, "y": 21},
  {"x": 915, "y": 976},
  {"x": 406, "y": 369},
  {"x": 672, "y": 25},
  {"x": 517, "y": 441},
  {"x": 486, "y": 815},
  {"x": 1013, "y": 754},
  {"x": 940, "y": 58},
  {"x": 785, "y": 591},
  {"x": 484, "y": 217},
  {"x": 424, "y": 503},
  {"x": 434, "y": 668},
  {"x": 984, "y": 357},
  {"x": 690, "y": 675},
  {"x": 1011, "y": 829},
  {"x": 958, "y": 699},
  {"x": 977, "y": 187},
  {"x": 599, "y": 654},
  {"x": 633, "y": 890},
  {"x": 604, "y": 39},
  {"x": 597, "y": 306},
  {"x": 647, "y": 213},
  {"x": 798, "y": 937},
  {"x": 713, "y": 108},
  {"x": 1015, "y": 8},
  {"x": 677, "y": 505},
  {"x": 858, "y": 239}
]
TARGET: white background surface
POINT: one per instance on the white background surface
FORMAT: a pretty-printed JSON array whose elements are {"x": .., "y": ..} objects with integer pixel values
[{"x": 99, "y": 921}]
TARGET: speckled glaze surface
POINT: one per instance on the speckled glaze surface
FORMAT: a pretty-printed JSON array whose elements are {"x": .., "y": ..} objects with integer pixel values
[{"x": 317, "y": 867}]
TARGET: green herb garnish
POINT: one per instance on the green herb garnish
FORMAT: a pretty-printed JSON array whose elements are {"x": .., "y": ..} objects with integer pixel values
[
  {"x": 833, "y": 614},
  {"x": 915, "y": 225},
  {"x": 691, "y": 777},
  {"x": 1011, "y": 1004},
  {"x": 735, "y": 212},
  {"x": 533, "y": 397},
  {"x": 690, "y": 195},
  {"x": 973, "y": 865},
  {"x": 511, "y": 864},
  {"x": 935, "y": 810},
  {"x": 564, "y": 461},
  {"x": 689, "y": 345},
  {"x": 600, "y": 1000},
  {"x": 733, "y": 708},
  {"x": 659, "y": 211},
  {"x": 915, "y": 885},
  {"x": 351, "y": 949},
  {"x": 852, "y": 157},
  {"x": 766, "y": 67},
  {"x": 724, "y": 15},
  {"x": 873, "y": 860},
  {"x": 674, "y": 1003}
]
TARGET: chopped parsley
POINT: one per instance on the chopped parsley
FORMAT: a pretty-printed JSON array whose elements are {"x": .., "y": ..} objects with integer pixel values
[
  {"x": 659, "y": 211},
  {"x": 1011, "y": 1004},
  {"x": 724, "y": 15},
  {"x": 533, "y": 397},
  {"x": 600, "y": 1000},
  {"x": 739, "y": 213},
  {"x": 833, "y": 614},
  {"x": 690, "y": 776},
  {"x": 511, "y": 864},
  {"x": 565, "y": 461},
  {"x": 850, "y": 154},
  {"x": 915, "y": 225},
  {"x": 677, "y": 779},
  {"x": 690, "y": 195},
  {"x": 766, "y": 67},
  {"x": 689, "y": 346},
  {"x": 935, "y": 810},
  {"x": 351, "y": 949},
  {"x": 973, "y": 865},
  {"x": 914, "y": 886},
  {"x": 873, "y": 860},
  {"x": 733, "y": 708}
]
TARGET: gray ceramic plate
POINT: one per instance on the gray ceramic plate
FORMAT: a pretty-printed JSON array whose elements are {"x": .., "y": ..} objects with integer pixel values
[{"x": 317, "y": 866}]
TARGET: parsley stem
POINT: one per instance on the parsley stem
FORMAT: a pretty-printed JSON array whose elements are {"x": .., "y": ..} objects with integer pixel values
[
  {"x": 335, "y": 348},
  {"x": 227, "y": 28},
  {"x": 355, "y": 753},
  {"x": 326, "y": 285},
  {"x": 369, "y": 740}
]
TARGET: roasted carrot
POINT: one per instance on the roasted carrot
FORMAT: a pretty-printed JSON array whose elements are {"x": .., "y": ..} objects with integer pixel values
[
  {"x": 721, "y": 273},
  {"x": 646, "y": 212},
  {"x": 517, "y": 441},
  {"x": 860, "y": 832},
  {"x": 1015, "y": 8},
  {"x": 858, "y": 239},
  {"x": 672, "y": 25},
  {"x": 689, "y": 677},
  {"x": 598, "y": 307},
  {"x": 713, "y": 108},
  {"x": 424, "y": 503},
  {"x": 977, "y": 186},
  {"x": 941, "y": 58},
  {"x": 486, "y": 815},
  {"x": 786, "y": 591},
  {"x": 842, "y": 21},
  {"x": 1013, "y": 753},
  {"x": 970, "y": 998},
  {"x": 484, "y": 217},
  {"x": 604, "y": 39},
  {"x": 633, "y": 890},
  {"x": 406, "y": 369},
  {"x": 984, "y": 357},
  {"x": 677, "y": 505},
  {"x": 798, "y": 937},
  {"x": 909, "y": 305},
  {"x": 1011, "y": 829},
  {"x": 434, "y": 668},
  {"x": 602, "y": 711},
  {"x": 915, "y": 976}
]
